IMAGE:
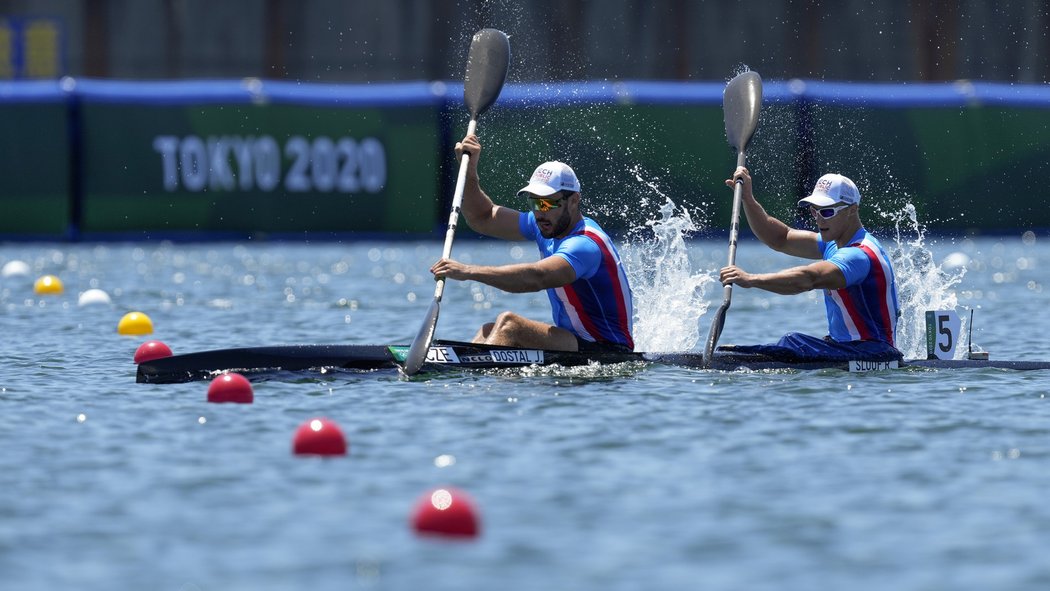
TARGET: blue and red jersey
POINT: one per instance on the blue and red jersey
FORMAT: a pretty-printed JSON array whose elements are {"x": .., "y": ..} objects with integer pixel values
[
  {"x": 597, "y": 306},
  {"x": 867, "y": 308}
]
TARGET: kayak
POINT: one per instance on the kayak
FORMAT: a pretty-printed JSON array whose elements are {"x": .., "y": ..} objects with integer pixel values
[{"x": 459, "y": 356}]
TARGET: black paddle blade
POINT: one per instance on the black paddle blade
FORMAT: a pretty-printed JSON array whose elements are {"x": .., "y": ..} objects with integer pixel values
[
  {"x": 487, "y": 67},
  {"x": 716, "y": 331},
  {"x": 417, "y": 353},
  {"x": 741, "y": 103}
]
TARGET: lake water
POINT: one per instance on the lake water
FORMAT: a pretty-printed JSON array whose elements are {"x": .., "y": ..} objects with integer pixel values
[{"x": 613, "y": 478}]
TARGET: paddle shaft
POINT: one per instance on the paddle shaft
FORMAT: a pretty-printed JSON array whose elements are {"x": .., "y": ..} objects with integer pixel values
[
  {"x": 727, "y": 291},
  {"x": 418, "y": 351},
  {"x": 453, "y": 215},
  {"x": 734, "y": 228}
]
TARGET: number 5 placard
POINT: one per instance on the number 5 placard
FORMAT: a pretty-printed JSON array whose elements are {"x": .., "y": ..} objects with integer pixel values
[{"x": 942, "y": 334}]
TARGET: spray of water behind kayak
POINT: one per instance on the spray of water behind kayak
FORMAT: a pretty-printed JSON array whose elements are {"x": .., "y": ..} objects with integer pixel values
[{"x": 669, "y": 289}]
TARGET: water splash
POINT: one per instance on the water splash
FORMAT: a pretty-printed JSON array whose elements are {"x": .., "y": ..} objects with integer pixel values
[
  {"x": 668, "y": 295},
  {"x": 921, "y": 284},
  {"x": 576, "y": 375},
  {"x": 738, "y": 70}
]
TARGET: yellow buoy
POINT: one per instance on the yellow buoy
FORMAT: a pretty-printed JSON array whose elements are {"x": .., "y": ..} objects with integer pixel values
[
  {"x": 135, "y": 323},
  {"x": 48, "y": 285}
]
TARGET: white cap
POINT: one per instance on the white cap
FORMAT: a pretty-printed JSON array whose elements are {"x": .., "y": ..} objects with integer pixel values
[
  {"x": 551, "y": 177},
  {"x": 831, "y": 189}
]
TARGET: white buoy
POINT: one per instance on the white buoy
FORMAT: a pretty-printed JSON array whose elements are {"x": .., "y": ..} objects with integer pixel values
[
  {"x": 93, "y": 296},
  {"x": 15, "y": 269}
]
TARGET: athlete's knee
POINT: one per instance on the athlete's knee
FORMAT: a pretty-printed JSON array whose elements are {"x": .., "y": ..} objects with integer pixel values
[
  {"x": 507, "y": 327},
  {"x": 483, "y": 333},
  {"x": 507, "y": 321}
]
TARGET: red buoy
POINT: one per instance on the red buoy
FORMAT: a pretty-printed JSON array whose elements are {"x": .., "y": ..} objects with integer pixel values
[
  {"x": 447, "y": 512},
  {"x": 319, "y": 437},
  {"x": 151, "y": 350},
  {"x": 231, "y": 387}
]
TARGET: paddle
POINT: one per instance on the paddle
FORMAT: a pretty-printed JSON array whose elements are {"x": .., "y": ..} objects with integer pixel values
[
  {"x": 486, "y": 72},
  {"x": 741, "y": 103}
]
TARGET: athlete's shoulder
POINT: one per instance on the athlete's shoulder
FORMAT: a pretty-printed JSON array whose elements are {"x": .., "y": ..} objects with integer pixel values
[
  {"x": 864, "y": 236},
  {"x": 870, "y": 242},
  {"x": 592, "y": 225},
  {"x": 580, "y": 241},
  {"x": 595, "y": 232}
]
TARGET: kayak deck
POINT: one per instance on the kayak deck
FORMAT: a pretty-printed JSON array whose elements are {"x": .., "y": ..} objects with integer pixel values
[{"x": 453, "y": 355}]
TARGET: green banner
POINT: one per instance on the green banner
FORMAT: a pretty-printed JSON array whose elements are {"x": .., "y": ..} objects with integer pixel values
[
  {"x": 963, "y": 168},
  {"x": 35, "y": 195},
  {"x": 258, "y": 169}
]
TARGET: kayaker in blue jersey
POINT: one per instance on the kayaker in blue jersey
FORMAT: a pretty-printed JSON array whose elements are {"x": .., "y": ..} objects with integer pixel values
[
  {"x": 579, "y": 265},
  {"x": 860, "y": 291}
]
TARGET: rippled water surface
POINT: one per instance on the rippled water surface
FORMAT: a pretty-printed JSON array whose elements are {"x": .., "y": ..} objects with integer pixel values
[{"x": 623, "y": 477}]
